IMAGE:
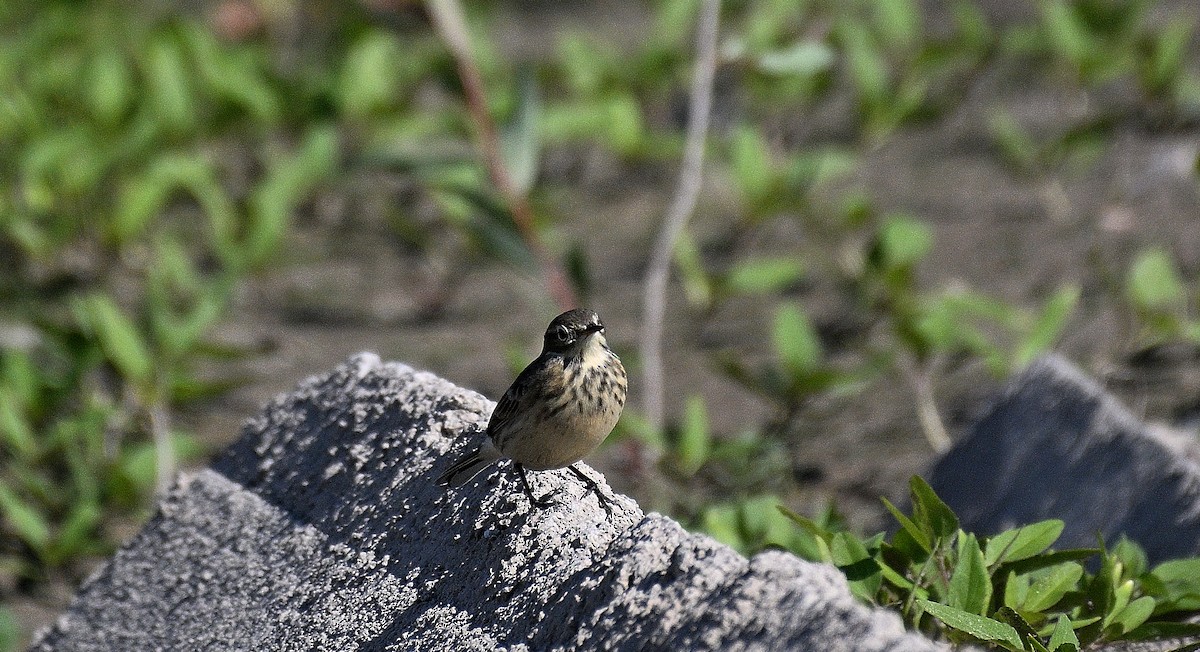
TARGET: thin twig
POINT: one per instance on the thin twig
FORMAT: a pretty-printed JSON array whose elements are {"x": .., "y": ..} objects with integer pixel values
[
  {"x": 448, "y": 19},
  {"x": 686, "y": 193}
]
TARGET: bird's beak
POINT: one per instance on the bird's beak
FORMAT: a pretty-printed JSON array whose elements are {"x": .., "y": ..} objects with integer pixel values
[{"x": 593, "y": 328}]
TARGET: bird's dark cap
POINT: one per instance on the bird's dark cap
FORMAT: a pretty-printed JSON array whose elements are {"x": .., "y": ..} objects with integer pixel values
[{"x": 579, "y": 319}]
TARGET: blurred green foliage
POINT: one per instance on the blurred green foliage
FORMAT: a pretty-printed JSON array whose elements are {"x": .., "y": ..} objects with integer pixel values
[{"x": 125, "y": 232}]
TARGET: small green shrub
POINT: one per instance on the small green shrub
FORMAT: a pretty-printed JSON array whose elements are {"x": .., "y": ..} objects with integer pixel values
[{"x": 1011, "y": 590}]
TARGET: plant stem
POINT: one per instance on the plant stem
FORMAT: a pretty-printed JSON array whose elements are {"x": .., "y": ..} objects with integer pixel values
[
  {"x": 682, "y": 206},
  {"x": 164, "y": 454},
  {"x": 918, "y": 377},
  {"x": 451, "y": 26}
]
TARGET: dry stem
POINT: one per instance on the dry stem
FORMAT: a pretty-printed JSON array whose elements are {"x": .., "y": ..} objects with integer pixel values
[{"x": 684, "y": 203}]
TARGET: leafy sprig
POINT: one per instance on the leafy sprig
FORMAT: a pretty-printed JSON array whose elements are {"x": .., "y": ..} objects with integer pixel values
[{"x": 1012, "y": 590}]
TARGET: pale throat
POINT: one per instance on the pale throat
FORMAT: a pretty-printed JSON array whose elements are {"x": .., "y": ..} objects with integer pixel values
[{"x": 593, "y": 353}]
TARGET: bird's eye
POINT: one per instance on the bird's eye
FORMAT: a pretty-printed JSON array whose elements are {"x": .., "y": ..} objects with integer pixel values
[{"x": 562, "y": 333}]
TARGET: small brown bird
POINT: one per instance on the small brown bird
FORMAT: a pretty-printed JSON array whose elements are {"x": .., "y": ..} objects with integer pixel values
[{"x": 559, "y": 408}]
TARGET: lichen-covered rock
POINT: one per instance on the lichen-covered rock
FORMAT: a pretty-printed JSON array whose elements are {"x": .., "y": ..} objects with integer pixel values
[{"x": 321, "y": 529}]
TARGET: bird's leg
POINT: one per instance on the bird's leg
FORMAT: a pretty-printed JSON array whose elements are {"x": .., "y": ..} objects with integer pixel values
[
  {"x": 594, "y": 488},
  {"x": 544, "y": 501}
]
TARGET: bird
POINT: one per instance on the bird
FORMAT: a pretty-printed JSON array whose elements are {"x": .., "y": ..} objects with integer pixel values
[{"x": 557, "y": 411}]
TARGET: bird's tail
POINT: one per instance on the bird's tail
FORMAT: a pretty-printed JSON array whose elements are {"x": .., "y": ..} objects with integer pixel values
[{"x": 468, "y": 467}]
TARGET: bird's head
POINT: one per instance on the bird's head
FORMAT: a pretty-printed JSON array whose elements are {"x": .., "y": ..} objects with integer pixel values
[{"x": 572, "y": 330}]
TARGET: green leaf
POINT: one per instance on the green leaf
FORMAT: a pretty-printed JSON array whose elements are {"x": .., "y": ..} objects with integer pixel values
[
  {"x": 933, "y": 515},
  {"x": 904, "y": 241},
  {"x": 1023, "y": 542},
  {"x": 1165, "y": 63},
  {"x": 119, "y": 338},
  {"x": 233, "y": 75},
  {"x": 368, "y": 81},
  {"x": 895, "y": 578},
  {"x": 489, "y": 223},
  {"x": 1180, "y": 579},
  {"x": 809, "y": 525},
  {"x": 25, "y": 520},
  {"x": 287, "y": 183},
  {"x": 110, "y": 85},
  {"x": 970, "y": 585},
  {"x": 803, "y": 59},
  {"x": 520, "y": 141},
  {"x": 1132, "y": 557},
  {"x": 796, "y": 343},
  {"x": 914, "y": 531},
  {"x": 1063, "y": 638},
  {"x": 751, "y": 164},
  {"x": 1153, "y": 283},
  {"x": 76, "y": 530},
  {"x": 673, "y": 19},
  {"x": 1066, "y": 33},
  {"x": 898, "y": 22},
  {"x": 138, "y": 463},
  {"x": 1010, "y": 616},
  {"x": 808, "y": 170},
  {"x": 1122, "y": 594},
  {"x": 763, "y": 521},
  {"x": 861, "y": 570},
  {"x": 1048, "y": 327},
  {"x": 138, "y": 201},
  {"x": 981, "y": 627},
  {"x": 1049, "y": 559},
  {"x": 1016, "y": 146},
  {"x": 764, "y": 275},
  {"x": 868, "y": 67},
  {"x": 1045, "y": 591},
  {"x": 15, "y": 429},
  {"x": 1132, "y": 616},
  {"x": 721, "y": 523},
  {"x": 1016, "y": 590},
  {"x": 170, "y": 90},
  {"x": 695, "y": 441}
]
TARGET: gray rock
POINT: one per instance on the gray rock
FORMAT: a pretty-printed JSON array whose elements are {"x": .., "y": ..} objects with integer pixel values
[
  {"x": 1056, "y": 445},
  {"x": 321, "y": 529}
]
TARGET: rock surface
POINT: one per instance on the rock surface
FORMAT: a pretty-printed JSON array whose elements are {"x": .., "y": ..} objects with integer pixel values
[
  {"x": 1056, "y": 445},
  {"x": 321, "y": 529}
]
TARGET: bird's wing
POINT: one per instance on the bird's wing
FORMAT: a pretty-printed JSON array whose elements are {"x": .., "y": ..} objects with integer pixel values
[{"x": 528, "y": 384}]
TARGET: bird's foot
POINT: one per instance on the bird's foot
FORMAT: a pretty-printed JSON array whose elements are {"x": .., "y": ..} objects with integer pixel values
[
  {"x": 604, "y": 501},
  {"x": 544, "y": 501}
]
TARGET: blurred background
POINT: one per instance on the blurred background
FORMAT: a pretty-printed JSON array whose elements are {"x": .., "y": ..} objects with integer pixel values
[{"x": 903, "y": 202}]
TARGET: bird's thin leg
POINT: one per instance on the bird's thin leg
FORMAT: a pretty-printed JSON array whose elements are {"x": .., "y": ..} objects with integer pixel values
[
  {"x": 544, "y": 501},
  {"x": 594, "y": 488}
]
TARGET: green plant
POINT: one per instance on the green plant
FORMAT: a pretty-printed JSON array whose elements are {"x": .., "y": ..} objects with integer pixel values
[
  {"x": 799, "y": 369},
  {"x": 927, "y": 327},
  {"x": 1077, "y": 147},
  {"x": 1158, "y": 299},
  {"x": 756, "y": 522},
  {"x": 921, "y": 328},
  {"x": 125, "y": 241},
  {"x": 1012, "y": 590}
]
